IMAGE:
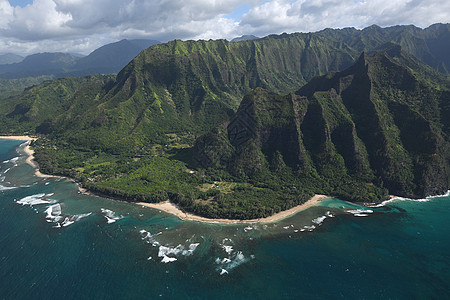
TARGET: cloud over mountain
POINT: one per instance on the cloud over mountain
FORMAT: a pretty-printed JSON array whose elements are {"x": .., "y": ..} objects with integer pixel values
[{"x": 83, "y": 25}]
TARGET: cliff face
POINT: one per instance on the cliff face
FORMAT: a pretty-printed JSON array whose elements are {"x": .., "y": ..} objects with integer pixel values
[
  {"x": 378, "y": 122},
  {"x": 187, "y": 88}
]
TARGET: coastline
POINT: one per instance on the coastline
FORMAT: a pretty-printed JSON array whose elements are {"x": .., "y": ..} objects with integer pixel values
[
  {"x": 28, "y": 151},
  {"x": 171, "y": 208}
]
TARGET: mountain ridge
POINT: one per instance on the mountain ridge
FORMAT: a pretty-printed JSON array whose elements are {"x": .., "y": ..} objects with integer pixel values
[
  {"x": 108, "y": 59},
  {"x": 235, "y": 130},
  {"x": 328, "y": 134}
]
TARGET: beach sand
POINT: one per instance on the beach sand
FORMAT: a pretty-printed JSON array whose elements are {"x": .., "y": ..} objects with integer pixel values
[
  {"x": 28, "y": 151},
  {"x": 169, "y": 207},
  {"x": 17, "y": 137}
]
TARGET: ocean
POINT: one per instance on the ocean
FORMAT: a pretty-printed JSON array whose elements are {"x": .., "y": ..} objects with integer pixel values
[{"x": 58, "y": 243}]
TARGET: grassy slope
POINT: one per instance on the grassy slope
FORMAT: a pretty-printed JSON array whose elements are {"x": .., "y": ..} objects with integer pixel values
[{"x": 106, "y": 133}]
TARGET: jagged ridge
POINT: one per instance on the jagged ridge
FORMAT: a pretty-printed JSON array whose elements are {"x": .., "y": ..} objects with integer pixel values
[{"x": 378, "y": 122}]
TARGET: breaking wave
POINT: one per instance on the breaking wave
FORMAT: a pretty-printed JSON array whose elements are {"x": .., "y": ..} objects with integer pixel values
[
  {"x": 360, "y": 212},
  {"x": 395, "y": 199},
  {"x": 110, "y": 215},
  {"x": 5, "y": 188},
  {"x": 35, "y": 199},
  {"x": 168, "y": 253},
  {"x": 233, "y": 259}
]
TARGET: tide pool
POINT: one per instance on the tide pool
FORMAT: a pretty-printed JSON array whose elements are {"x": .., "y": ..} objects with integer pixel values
[{"x": 56, "y": 242}]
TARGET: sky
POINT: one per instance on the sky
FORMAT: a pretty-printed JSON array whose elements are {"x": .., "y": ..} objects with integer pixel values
[{"x": 81, "y": 26}]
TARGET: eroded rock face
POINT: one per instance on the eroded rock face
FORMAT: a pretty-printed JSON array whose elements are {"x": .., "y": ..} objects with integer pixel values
[{"x": 378, "y": 121}]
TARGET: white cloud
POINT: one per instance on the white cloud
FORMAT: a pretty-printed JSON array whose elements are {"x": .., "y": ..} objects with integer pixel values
[
  {"x": 6, "y": 13},
  {"x": 51, "y": 25},
  {"x": 312, "y": 15}
]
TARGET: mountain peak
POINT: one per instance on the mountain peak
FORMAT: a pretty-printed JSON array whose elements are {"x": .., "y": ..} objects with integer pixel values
[{"x": 246, "y": 37}]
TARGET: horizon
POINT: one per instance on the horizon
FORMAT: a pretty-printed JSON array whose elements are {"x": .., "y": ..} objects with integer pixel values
[
  {"x": 259, "y": 37},
  {"x": 37, "y": 26}
]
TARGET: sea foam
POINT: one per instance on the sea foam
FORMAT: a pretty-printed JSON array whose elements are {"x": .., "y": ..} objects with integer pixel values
[
  {"x": 178, "y": 250},
  {"x": 35, "y": 199},
  {"x": 227, "y": 264},
  {"x": 360, "y": 212},
  {"x": 5, "y": 188},
  {"x": 248, "y": 228},
  {"x": 319, "y": 220},
  {"x": 12, "y": 160},
  {"x": 396, "y": 199},
  {"x": 69, "y": 220},
  {"x": 53, "y": 213},
  {"x": 167, "y": 259},
  {"x": 110, "y": 215}
]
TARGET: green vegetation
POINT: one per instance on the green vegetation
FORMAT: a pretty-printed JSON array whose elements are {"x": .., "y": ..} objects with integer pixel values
[
  {"x": 108, "y": 59},
  {"x": 223, "y": 129},
  {"x": 13, "y": 87}
]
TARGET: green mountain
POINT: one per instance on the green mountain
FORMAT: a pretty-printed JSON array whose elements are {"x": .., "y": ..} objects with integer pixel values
[
  {"x": 186, "y": 88},
  {"x": 17, "y": 74},
  {"x": 246, "y": 37},
  {"x": 10, "y": 58},
  {"x": 427, "y": 44},
  {"x": 38, "y": 65},
  {"x": 357, "y": 134},
  {"x": 108, "y": 59},
  {"x": 38, "y": 106},
  {"x": 382, "y": 123}
]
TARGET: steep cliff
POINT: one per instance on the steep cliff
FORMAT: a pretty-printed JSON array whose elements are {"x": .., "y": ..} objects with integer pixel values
[{"x": 377, "y": 124}]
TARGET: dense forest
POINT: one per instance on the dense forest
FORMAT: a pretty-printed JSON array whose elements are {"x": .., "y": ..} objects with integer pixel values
[{"x": 249, "y": 128}]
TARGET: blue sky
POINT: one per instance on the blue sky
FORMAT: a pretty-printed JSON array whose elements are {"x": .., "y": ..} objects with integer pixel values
[
  {"x": 236, "y": 15},
  {"x": 31, "y": 26},
  {"x": 21, "y": 3}
]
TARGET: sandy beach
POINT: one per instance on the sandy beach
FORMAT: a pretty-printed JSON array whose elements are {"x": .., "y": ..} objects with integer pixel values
[
  {"x": 28, "y": 151},
  {"x": 17, "y": 137},
  {"x": 173, "y": 209}
]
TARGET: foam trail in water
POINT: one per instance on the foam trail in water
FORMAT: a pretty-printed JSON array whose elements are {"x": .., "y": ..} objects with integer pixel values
[
  {"x": 163, "y": 251},
  {"x": 110, "y": 215},
  {"x": 228, "y": 264},
  {"x": 438, "y": 196},
  {"x": 53, "y": 213},
  {"x": 167, "y": 259},
  {"x": 233, "y": 260},
  {"x": 223, "y": 271},
  {"x": 69, "y": 220},
  {"x": 227, "y": 245},
  {"x": 167, "y": 252},
  {"x": 150, "y": 238},
  {"x": 4, "y": 188},
  {"x": 319, "y": 220},
  {"x": 248, "y": 228},
  {"x": 360, "y": 212},
  {"x": 12, "y": 160},
  {"x": 35, "y": 199},
  {"x": 395, "y": 199}
]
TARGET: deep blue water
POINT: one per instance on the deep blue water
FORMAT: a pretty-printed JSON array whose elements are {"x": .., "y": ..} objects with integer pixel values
[{"x": 115, "y": 250}]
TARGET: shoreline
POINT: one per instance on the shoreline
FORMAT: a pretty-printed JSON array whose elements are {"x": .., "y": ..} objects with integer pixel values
[
  {"x": 169, "y": 207},
  {"x": 173, "y": 209},
  {"x": 29, "y": 152}
]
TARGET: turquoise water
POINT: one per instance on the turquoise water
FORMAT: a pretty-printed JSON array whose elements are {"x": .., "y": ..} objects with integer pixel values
[{"x": 89, "y": 247}]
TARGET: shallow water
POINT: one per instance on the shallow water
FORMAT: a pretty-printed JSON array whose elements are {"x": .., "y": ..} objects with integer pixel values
[{"x": 55, "y": 242}]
